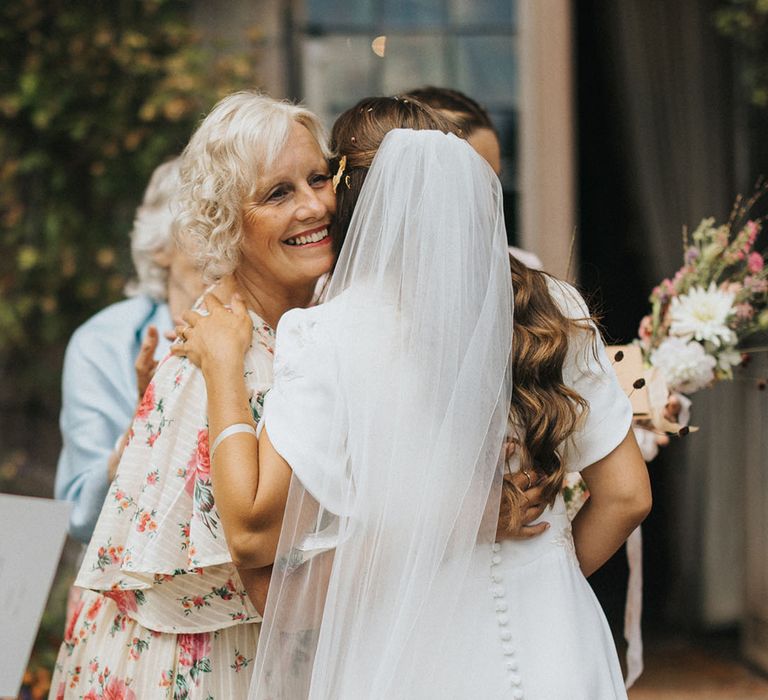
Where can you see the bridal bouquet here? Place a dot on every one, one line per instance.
(717, 299)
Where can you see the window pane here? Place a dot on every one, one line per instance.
(506, 123)
(486, 68)
(413, 61)
(498, 14)
(337, 72)
(413, 13)
(329, 14)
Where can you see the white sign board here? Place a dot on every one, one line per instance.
(33, 533)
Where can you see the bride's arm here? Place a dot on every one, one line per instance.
(250, 480)
(620, 499)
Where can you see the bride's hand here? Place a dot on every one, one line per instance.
(219, 339)
(517, 526)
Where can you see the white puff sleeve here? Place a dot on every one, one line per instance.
(302, 413)
(588, 371)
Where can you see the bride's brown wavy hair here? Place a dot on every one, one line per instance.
(544, 411)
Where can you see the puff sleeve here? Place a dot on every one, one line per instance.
(588, 371)
(302, 413)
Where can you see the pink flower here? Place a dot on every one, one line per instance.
(755, 284)
(752, 230)
(117, 690)
(73, 618)
(193, 648)
(147, 404)
(94, 609)
(745, 311)
(125, 600)
(755, 262)
(199, 465)
(645, 331)
(731, 287)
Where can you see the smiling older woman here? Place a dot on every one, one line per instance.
(167, 613)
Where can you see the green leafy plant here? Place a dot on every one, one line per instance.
(746, 23)
(93, 96)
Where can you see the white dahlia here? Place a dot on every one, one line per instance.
(685, 365)
(703, 314)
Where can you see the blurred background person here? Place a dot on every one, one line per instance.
(111, 357)
(477, 128)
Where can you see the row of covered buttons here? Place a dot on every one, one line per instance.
(502, 617)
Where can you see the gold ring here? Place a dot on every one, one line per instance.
(527, 476)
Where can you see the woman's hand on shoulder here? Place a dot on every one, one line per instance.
(219, 339)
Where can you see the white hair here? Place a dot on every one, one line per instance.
(226, 158)
(153, 232)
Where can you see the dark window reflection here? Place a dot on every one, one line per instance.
(349, 50)
(413, 13)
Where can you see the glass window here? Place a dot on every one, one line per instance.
(413, 13)
(327, 14)
(350, 50)
(411, 61)
(486, 68)
(490, 14)
(337, 72)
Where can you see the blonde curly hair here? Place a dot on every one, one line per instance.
(230, 153)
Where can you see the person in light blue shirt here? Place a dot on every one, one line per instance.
(111, 357)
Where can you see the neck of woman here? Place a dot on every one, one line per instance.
(269, 301)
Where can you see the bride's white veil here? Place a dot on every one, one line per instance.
(397, 468)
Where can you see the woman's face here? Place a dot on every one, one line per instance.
(486, 143)
(286, 241)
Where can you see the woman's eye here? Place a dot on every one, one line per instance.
(319, 180)
(277, 194)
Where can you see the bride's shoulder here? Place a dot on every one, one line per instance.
(568, 298)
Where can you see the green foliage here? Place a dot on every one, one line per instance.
(746, 23)
(93, 96)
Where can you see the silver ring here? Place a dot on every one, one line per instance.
(527, 476)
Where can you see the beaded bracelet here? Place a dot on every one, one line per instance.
(231, 430)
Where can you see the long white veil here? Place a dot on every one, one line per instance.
(390, 403)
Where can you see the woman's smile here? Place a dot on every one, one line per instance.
(313, 238)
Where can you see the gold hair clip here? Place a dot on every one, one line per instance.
(337, 177)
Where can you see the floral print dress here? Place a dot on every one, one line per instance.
(164, 613)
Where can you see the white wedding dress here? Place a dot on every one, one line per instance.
(394, 447)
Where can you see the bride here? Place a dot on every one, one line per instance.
(380, 466)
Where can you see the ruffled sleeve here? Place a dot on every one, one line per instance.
(302, 410)
(158, 542)
(588, 371)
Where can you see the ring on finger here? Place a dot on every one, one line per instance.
(527, 476)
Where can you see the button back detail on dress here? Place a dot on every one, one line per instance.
(499, 593)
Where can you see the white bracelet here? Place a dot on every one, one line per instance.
(231, 430)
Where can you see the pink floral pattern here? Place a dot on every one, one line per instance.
(119, 658)
(158, 567)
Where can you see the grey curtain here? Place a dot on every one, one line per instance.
(673, 75)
